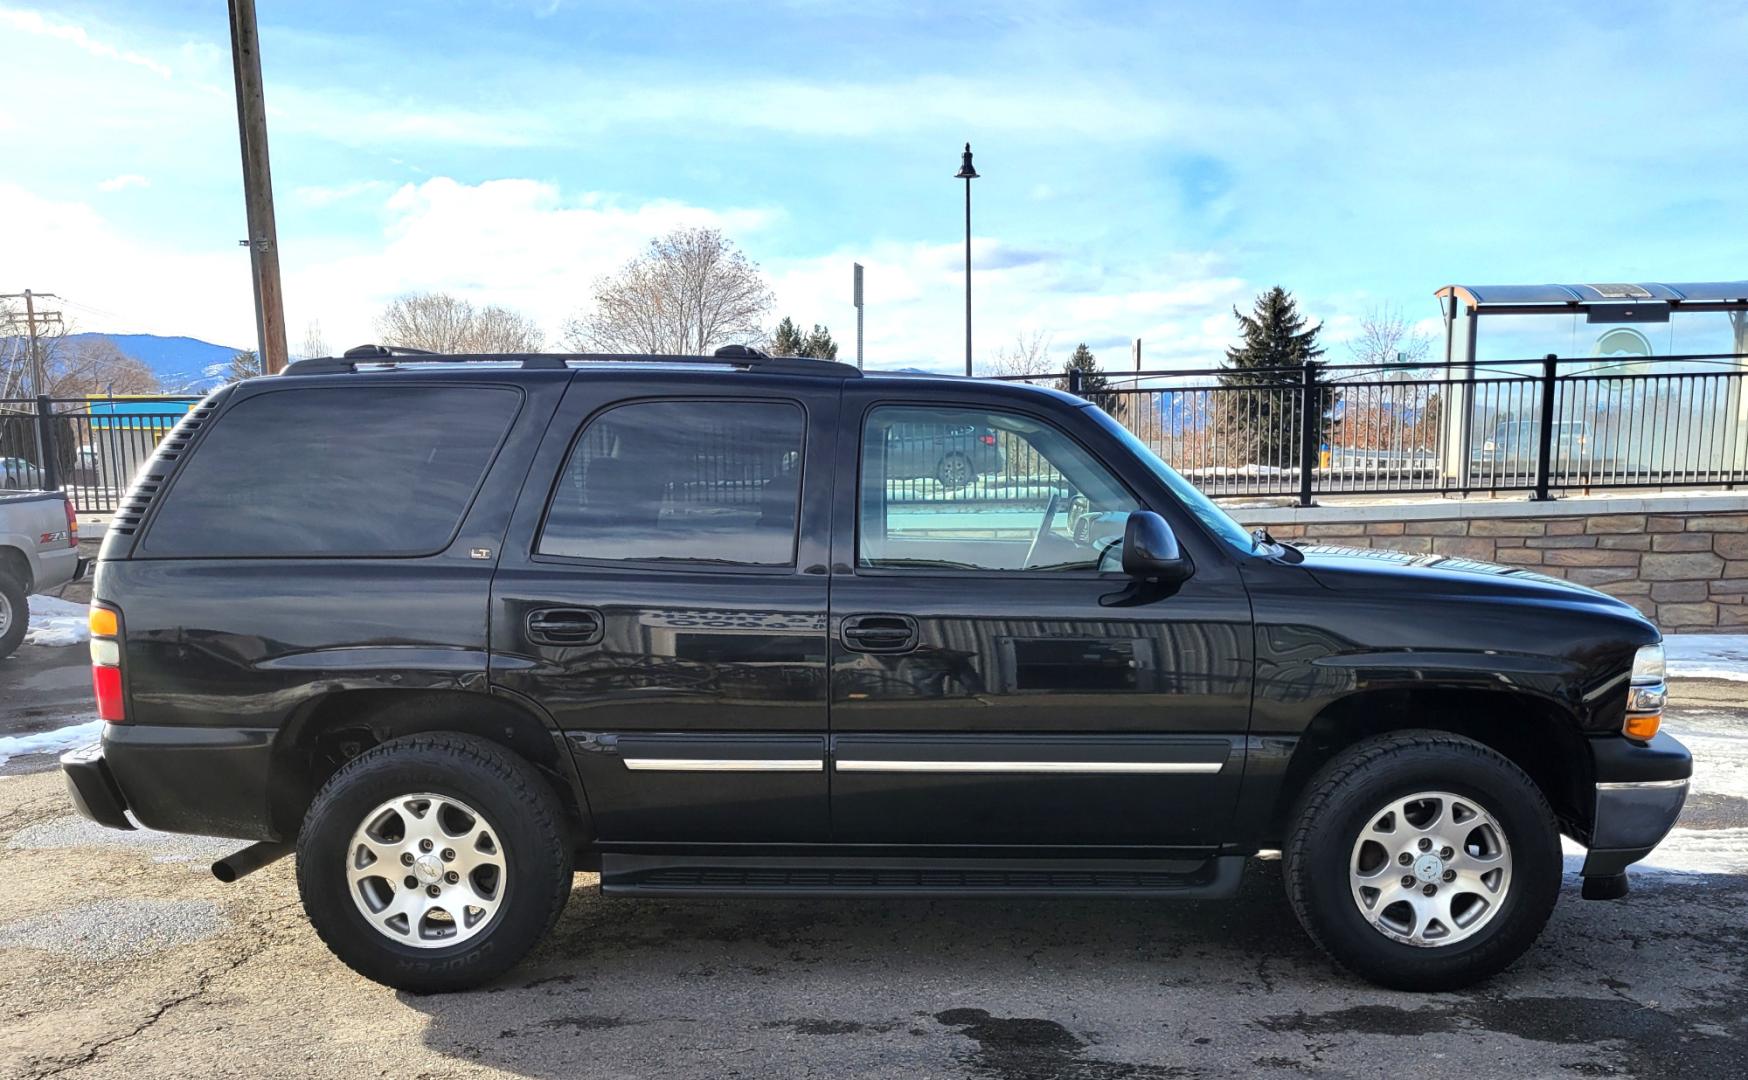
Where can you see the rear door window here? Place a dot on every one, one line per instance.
(682, 481)
(334, 471)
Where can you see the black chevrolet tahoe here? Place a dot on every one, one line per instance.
(453, 628)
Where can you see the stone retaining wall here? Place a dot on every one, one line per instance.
(1687, 570)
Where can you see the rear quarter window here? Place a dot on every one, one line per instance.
(334, 471)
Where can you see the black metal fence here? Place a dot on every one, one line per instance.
(1541, 426)
(88, 447)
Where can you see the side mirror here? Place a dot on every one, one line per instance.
(1150, 549)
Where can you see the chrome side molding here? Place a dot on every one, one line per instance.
(892, 765)
(724, 764)
(1638, 785)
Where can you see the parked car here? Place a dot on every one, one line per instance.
(952, 454)
(17, 474)
(504, 621)
(39, 550)
(1513, 445)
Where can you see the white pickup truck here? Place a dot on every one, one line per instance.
(39, 550)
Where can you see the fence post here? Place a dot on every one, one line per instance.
(1309, 429)
(1075, 381)
(45, 437)
(1545, 437)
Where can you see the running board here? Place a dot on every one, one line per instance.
(716, 875)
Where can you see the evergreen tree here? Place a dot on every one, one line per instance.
(788, 339)
(819, 344)
(1094, 383)
(1259, 413)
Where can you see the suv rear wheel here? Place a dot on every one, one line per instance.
(434, 862)
(1423, 860)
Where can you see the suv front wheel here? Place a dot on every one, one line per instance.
(1423, 860)
(433, 862)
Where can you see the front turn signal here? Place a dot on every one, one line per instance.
(1642, 726)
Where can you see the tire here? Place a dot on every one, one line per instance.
(954, 470)
(1337, 832)
(518, 841)
(14, 614)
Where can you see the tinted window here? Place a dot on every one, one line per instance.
(976, 490)
(701, 481)
(371, 470)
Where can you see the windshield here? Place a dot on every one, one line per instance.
(1206, 510)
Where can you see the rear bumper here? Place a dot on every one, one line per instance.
(207, 781)
(92, 787)
(1640, 790)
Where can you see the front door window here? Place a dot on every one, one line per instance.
(977, 489)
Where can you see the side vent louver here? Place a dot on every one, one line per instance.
(138, 500)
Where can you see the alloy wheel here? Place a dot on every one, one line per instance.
(426, 870)
(1430, 869)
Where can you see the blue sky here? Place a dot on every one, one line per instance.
(1145, 166)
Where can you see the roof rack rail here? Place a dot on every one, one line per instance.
(744, 357)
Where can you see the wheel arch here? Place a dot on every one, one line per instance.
(329, 731)
(1536, 734)
(16, 564)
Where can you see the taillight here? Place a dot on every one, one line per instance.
(72, 524)
(106, 664)
(988, 440)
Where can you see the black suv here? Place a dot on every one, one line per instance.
(455, 627)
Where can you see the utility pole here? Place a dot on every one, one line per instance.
(38, 384)
(38, 381)
(263, 239)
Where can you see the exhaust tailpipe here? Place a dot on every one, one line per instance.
(249, 860)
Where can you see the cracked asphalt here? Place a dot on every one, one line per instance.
(125, 958)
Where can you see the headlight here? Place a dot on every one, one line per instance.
(1646, 695)
(1648, 665)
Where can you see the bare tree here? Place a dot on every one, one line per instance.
(689, 292)
(313, 345)
(1386, 337)
(1028, 355)
(96, 366)
(448, 324)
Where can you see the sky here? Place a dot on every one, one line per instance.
(1145, 167)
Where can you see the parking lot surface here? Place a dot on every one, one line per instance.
(121, 956)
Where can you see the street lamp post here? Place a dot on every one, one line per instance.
(967, 174)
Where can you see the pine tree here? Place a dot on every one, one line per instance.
(788, 339)
(1259, 414)
(819, 344)
(1094, 383)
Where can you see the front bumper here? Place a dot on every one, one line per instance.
(1640, 790)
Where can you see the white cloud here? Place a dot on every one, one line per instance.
(71, 249)
(124, 181)
(520, 243)
(319, 196)
(527, 245)
(1179, 305)
(31, 22)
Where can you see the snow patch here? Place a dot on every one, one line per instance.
(1707, 656)
(49, 742)
(54, 621)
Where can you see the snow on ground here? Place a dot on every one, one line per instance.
(54, 621)
(1707, 656)
(49, 742)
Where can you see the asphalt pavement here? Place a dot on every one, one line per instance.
(121, 956)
